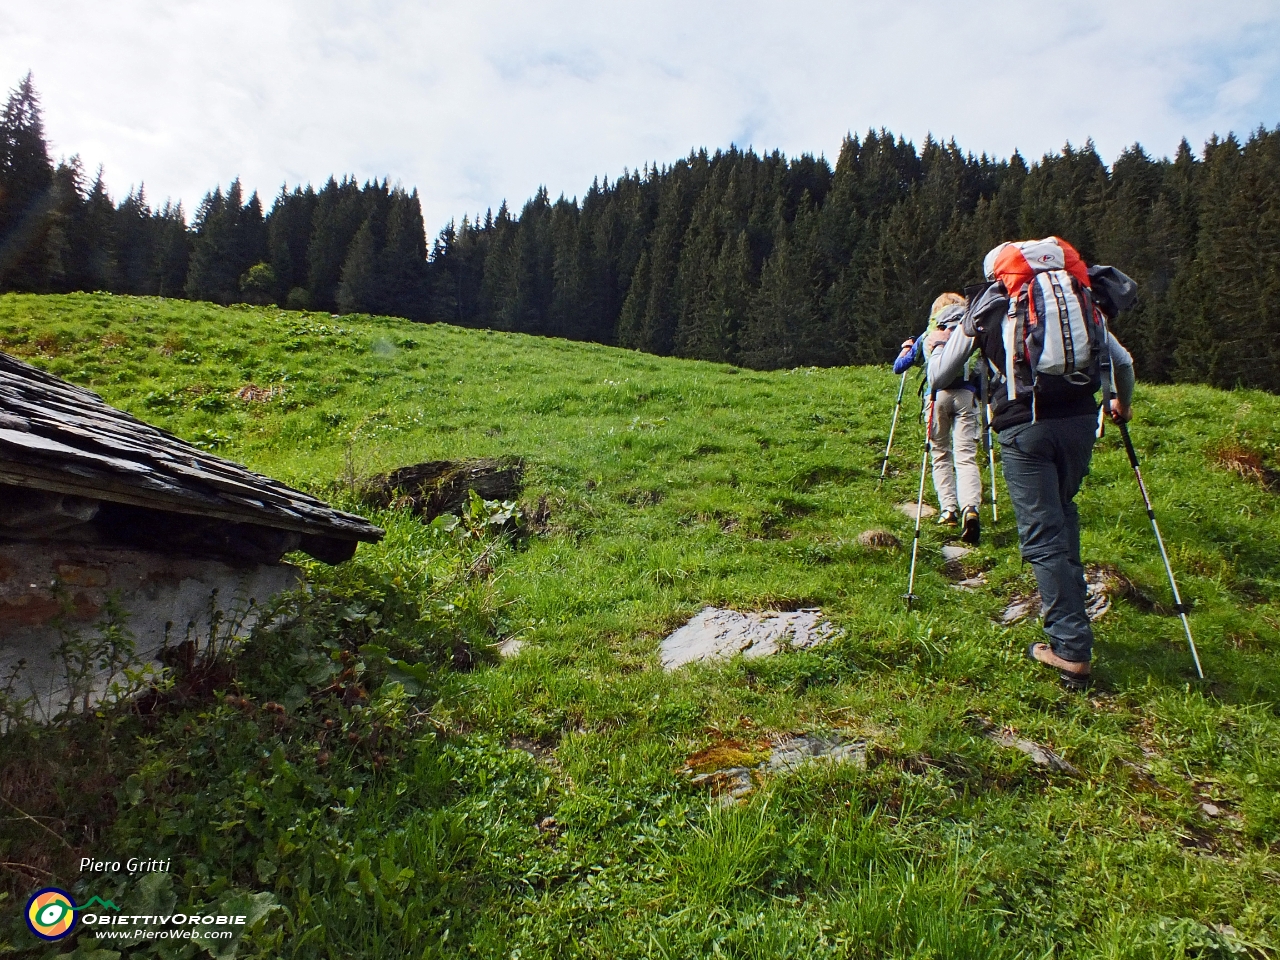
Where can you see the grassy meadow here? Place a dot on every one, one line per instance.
(416, 795)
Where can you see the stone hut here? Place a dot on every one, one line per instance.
(96, 505)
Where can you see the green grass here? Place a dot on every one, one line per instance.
(671, 485)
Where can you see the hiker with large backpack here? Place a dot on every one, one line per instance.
(951, 413)
(1042, 332)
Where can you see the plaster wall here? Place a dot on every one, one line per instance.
(51, 589)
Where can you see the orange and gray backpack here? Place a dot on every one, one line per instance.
(1039, 326)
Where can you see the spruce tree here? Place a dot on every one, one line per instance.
(211, 274)
(134, 234)
(498, 289)
(230, 238)
(65, 247)
(444, 275)
(359, 290)
(340, 211)
(1133, 230)
(402, 262)
(655, 310)
(631, 318)
(770, 335)
(102, 267)
(173, 245)
(289, 226)
(26, 181)
(700, 331)
(528, 295)
(571, 303)
(1064, 196)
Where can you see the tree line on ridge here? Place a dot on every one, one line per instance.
(759, 260)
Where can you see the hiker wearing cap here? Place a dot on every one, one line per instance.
(1039, 329)
(952, 416)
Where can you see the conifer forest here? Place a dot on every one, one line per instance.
(753, 259)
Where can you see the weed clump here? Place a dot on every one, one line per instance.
(878, 540)
(1246, 463)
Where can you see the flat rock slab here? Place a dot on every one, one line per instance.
(925, 510)
(792, 752)
(1040, 755)
(730, 784)
(787, 755)
(718, 634)
(1097, 599)
(1020, 607)
(952, 552)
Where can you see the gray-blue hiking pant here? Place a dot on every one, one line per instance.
(1044, 464)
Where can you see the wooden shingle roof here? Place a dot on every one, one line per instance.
(62, 439)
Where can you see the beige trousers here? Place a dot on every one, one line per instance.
(955, 449)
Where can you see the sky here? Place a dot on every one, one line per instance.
(477, 101)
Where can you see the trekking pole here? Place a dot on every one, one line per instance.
(909, 596)
(892, 426)
(986, 440)
(1177, 599)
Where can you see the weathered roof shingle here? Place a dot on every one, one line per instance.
(62, 439)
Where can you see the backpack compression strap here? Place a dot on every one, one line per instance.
(1108, 374)
(1009, 332)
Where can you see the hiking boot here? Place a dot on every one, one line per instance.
(949, 518)
(972, 526)
(1074, 674)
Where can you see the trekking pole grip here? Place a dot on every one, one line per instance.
(1128, 444)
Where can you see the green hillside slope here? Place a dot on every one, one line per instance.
(540, 805)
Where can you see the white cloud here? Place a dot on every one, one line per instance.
(473, 103)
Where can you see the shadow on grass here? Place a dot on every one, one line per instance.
(1231, 676)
